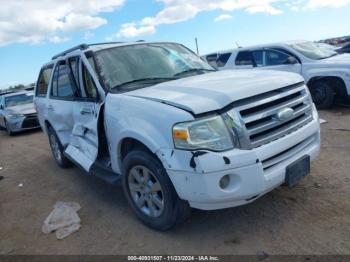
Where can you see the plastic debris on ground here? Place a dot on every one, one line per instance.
(20, 185)
(64, 220)
(322, 121)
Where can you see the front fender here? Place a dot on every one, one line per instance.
(147, 121)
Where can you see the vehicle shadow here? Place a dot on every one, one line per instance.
(23, 133)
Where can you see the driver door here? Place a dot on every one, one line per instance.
(271, 59)
(84, 145)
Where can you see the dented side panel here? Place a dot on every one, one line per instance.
(146, 121)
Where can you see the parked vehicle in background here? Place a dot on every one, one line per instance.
(326, 73)
(17, 112)
(344, 49)
(177, 133)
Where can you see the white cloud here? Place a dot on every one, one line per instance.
(223, 17)
(77, 22)
(57, 39)
(33, 21)
(314, 4)
(130, 30)
(176, 11)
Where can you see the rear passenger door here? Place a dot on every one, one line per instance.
(84, 144)
(60, 105)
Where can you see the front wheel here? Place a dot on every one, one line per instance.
(322, 94)
(150, 192)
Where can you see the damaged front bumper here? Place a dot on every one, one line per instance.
(196, 175)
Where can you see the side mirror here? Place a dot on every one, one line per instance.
(1, 107)
(291, 61)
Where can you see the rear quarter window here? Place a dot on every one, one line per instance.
(222, 59)
(43, 81)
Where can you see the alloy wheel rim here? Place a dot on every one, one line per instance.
(146, 191)
(55, 147)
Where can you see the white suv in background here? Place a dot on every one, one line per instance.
(326, 73)
(177, 133)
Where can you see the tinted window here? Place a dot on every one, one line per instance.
(211, 59)
(222, 59)
(54, 82)
(73, 63)
(62, 85)
(43, 81)
(259, 58)
(89, 84)
(244, 58)
(275, 58)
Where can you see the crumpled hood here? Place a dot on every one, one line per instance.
(213, 91)
(22, 109)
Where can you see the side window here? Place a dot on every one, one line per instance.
(43, 81)
(244, 58)
(286, 52)
(73, 64)
(62, 85)
(89, 84)
(275, 58)
(259, 58)
(211, 59)
(222, 59)
(54, 82)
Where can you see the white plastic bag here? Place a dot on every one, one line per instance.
(63, 219)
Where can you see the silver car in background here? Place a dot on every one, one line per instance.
(17, 112)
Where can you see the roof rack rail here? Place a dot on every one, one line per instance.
(78, 47)
(106, 43)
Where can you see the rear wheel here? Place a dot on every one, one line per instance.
(322, 94)
(57, 149)
(150, 191)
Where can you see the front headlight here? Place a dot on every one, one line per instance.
(13, 116)
(208, 133)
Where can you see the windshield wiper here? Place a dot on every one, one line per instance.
(195, 70)
(148, 80)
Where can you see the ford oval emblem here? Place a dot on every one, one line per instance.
(285, 114)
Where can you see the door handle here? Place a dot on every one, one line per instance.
(51, 108)
(86, 111)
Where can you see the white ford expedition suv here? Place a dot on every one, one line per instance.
(326, 73)
(177, 133)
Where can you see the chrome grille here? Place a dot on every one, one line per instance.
(259, 114)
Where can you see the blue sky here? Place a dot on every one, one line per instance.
(26, 42)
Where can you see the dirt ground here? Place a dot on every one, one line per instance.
(312, 218)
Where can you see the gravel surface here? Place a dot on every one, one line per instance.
(311, 218)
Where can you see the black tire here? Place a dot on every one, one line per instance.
(174, 209)
(62, 161)
(322, 94)
(8, 130)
